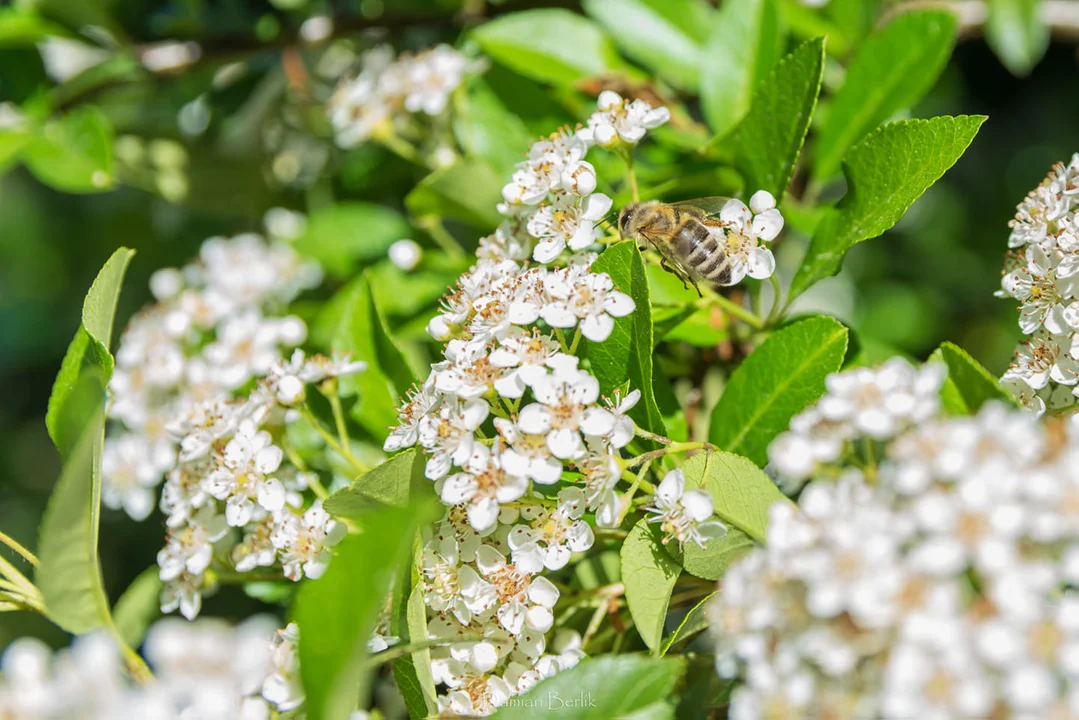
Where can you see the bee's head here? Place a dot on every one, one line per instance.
(629, 220)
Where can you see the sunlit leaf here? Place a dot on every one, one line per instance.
(741, 492)
(1017, 33)
(968, 385)
(649, 575)
(139, 606)
(345, 236)
(73, 153)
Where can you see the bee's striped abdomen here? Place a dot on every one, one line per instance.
(700, 251)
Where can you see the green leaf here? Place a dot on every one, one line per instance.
(409, 623)
(627, 353)
(74, 153)
(886, 173)
(968, 385)
(893, 70)
(488, 131)
(695, 621)
(649, 575)
(1016, 32)
(21, 28)
(550, 45)
(337, 612)
(740, 490)
(663, 35)
(770, 138)
(398, 481)
(352, 319)
(346, 236)
(744, 45)
(468, 191)
(717, 555)
(70, 573)
(599, 688)
(12, 141)
(65, 419)
(775, 383)
(139, 606)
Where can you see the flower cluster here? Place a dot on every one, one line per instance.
(389, 89)
(1042, 272)
(923, 572)
(507, 411)
(205, 670)
(215, 326)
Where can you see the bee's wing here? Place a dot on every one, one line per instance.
(708, 205)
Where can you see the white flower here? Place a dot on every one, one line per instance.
(130, 472)
(448, 435)
(527, 354)
(577, 295)
(431, 77)
(449, 585)
(684, 514)
(552, 534)
(1042, 357)
(878, 402)
(624, 428)
(741, 233)
(483, 487)
(527, 455)
(523, 601)
(418, 404)
(191, 548)
(303, 543)
(620, 122)
(242, 477)
(567, 220)
(564, 410)
(282, 687)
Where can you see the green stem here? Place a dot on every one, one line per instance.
(631, 175)
(674, 447)
(400, 147)
(562, 341)
(641, 432)
(628, 499)
(576, 340)
(432, 224)
(733, 308)
(399, 651)
(330, 440)
(777, 298)
(11, 543)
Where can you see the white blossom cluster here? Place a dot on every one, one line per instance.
(511, 329)
(1042, 272)
(387, 89)
(924, 572)
(215, 326)
(206, 670)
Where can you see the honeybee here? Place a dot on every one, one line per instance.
(685, 235)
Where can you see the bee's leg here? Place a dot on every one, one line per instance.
(677, 273)
(696, 287)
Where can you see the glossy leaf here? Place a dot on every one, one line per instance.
(398, 481)
(138, 607)
(627, 353)
(345, 236)
(649, 575)
(337, 612)
(743, 47)
(549, 44)
(663, 35)
(73, 153)
(711, 561)
(1017, 33)
(695, 621)
(769, 140)
(968, 385)
(886, 173)
(488, 130)
(892, 71)
(409, 623)
(776, 382)
(600, 688)
(741, 492)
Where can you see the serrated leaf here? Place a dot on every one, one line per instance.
(968, 384)
(1017, 33)
(139, 606)
(711, 561)
(73, 153)
(895, 67)
(69, 575)
(468, 190)
(663, 35)
(345, 236)
(398, 481)
(695, 621)
(627, 353)
(599, 688)
(886, 173)
(337, 612)
(549, 44)
(744, 45)
(769, 140)
(775, 383)
(352, 321)
(741, 492)
(649, 575)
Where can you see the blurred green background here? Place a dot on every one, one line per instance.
(929, 280)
